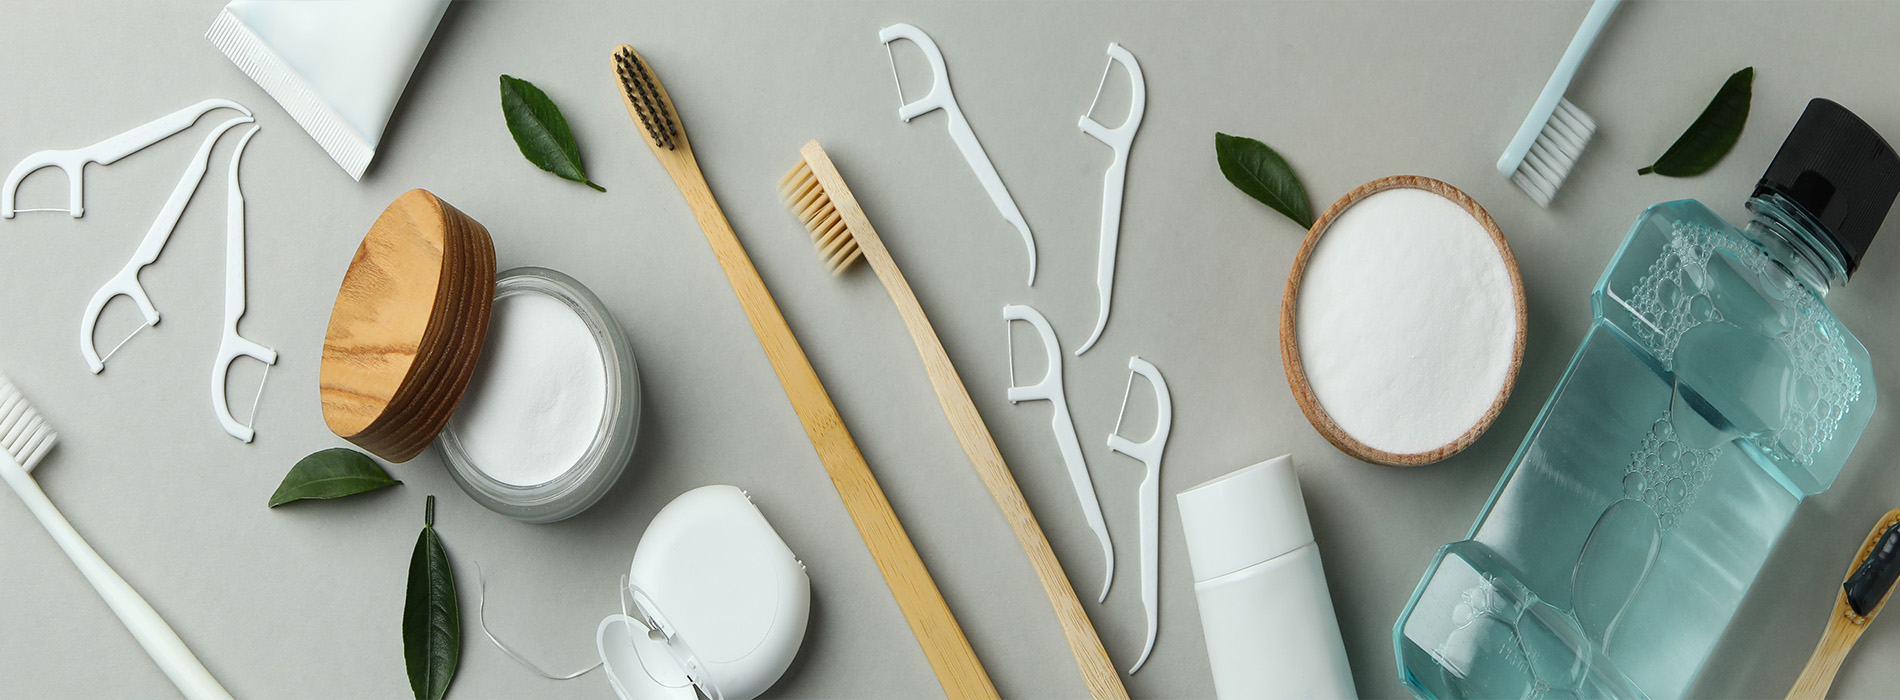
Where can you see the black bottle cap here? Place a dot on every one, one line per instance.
(1841, 171)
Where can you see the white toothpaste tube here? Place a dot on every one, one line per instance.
(337, 66)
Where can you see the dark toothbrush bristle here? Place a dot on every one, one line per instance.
(1871, 582)
(638, 83)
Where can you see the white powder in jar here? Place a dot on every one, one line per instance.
(1407, 321)
(539, 391)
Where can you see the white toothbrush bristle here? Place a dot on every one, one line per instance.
(24, 436)
(1554, 152)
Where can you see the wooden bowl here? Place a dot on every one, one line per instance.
(408, 325)
(1303, 393)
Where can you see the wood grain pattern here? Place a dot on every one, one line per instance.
(1289, 336)
(1098, 673)
(1843, 627)
(409, 322)
(931, 622)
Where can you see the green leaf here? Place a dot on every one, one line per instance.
(331, 473)
(541, 131)
(431, 621)
(1261, 173)
(1712, 134)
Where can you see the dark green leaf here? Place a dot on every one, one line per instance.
(331, 473)
(1712, 134)
(1261, 173)
(431, 621)
(541, 131)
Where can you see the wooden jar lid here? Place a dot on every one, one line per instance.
(407, 327)
(1296, 375)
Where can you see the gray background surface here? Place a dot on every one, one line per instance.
(305, 601)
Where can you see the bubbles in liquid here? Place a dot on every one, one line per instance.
(1510, 644)
(1666, 476)
(1676, 296)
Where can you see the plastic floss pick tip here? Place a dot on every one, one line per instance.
(104, 152)
(1120, 138)
(126, 282)
(1148, 452)
(941, 97)
(233, 346)
(1050, 389)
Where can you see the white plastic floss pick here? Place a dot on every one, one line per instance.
(1120, 138)
(1148, 452)
(1050, 389)
(126, 282)
(104, 152)
(941, 97)
(232, 346)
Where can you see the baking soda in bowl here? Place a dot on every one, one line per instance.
(551, 415)
(538, 394)
(1408, 322)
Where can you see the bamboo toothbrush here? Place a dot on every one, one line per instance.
(25, 438)
(943, 642)
(1547, 145)
(816, 193)
(1868, 586)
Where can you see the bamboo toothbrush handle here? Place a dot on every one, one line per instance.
(936, 629)
(1098, 673)
(1842, 632)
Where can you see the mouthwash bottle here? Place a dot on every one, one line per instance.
(1714, 391)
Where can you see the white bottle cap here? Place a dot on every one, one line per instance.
(1244, 518)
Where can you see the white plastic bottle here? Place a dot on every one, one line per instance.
(1265, 611)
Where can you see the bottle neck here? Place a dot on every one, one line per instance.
(1797, 242)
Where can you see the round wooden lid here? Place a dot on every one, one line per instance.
(1296, 375)
(408, 324)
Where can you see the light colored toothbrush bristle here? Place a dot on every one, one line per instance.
(805, 196)
(1554, 152)
(24, 435)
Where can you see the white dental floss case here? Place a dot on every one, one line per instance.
(730, 598)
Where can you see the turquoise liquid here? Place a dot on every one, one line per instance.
(1713, 392)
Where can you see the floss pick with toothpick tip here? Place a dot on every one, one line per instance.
(941, 97)
(106, 152)
(126, 282)
(233, 346)
(1050, 389)
(1148, 452)
(1120, 138)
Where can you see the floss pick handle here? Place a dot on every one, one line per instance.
(941, 97)
(1050, 389)
(233, 346)
(1148, 452)
(126, 282)
(1120, 138)
(104, 152)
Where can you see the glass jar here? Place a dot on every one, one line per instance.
(587, 479)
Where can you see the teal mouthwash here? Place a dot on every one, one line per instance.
(1714, 391)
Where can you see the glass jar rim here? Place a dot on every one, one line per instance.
(606, 457)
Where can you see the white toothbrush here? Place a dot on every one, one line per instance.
(1553, 135)
(24, 439)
